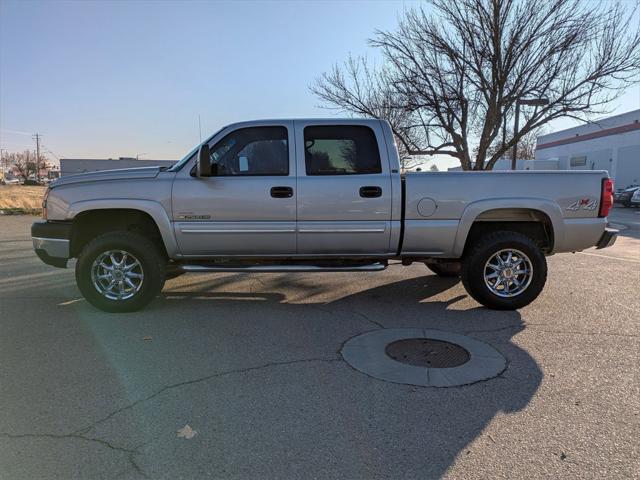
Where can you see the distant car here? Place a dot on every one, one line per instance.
(31, 182)
(624, 197)
(12, 181)
(635, 198)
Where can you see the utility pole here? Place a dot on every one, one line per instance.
(514, 155)
(36, 137)
(504, 129)
(2, 165)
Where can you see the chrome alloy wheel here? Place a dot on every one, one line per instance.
(117, 275)
(508, 273)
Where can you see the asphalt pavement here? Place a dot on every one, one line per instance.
(240, 376)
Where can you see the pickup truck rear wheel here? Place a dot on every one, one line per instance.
(120, 271)
(504, 270)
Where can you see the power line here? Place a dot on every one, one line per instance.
(48, 150)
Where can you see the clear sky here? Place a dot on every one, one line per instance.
(108, 79)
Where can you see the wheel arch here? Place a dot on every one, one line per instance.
(94, 217)
(541, 219)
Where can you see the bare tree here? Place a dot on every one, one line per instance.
(526, 146)
(25, 163)
(362, 90)
(452, 74)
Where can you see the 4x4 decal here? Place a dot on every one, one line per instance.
(583, 204)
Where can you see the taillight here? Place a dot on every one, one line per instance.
(606, 197)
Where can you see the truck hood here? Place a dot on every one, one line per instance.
(119, 174)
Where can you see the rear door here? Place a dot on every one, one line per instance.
(249, 207)
(344, 189)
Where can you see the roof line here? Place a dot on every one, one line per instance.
(630, 127)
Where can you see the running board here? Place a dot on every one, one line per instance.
(370, 267)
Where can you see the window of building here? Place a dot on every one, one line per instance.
(578, 161)
(252, 151)
(341, 150)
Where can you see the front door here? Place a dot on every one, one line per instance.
(344, 189)
(249, 207)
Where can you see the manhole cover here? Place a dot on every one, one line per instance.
(426, 352)
(421, 356)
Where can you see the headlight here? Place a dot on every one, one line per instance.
(44, 203)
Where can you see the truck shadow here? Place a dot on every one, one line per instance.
(393, 427)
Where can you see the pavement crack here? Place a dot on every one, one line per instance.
(351, 311)
(74, 435)
(536, 325)
(366, 317)
(80, 434)
(82, 431)
(591, 334)
(133, 465)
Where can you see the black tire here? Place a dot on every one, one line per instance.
(447, 269)
(152, 261)
(474, 264)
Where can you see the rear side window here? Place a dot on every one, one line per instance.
(341, 150)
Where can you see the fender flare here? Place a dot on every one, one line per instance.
(152, 208)
(473, 210)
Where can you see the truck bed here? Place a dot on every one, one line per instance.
(440, 207)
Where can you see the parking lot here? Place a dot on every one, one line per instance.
(252, 364)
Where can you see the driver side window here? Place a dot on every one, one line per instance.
(252, 151)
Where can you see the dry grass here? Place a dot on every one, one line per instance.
(21, 198)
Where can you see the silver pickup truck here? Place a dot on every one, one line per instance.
(315, 195)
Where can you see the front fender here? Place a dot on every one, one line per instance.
(154, 209)
(473, 210)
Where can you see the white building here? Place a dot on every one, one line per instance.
(611, 144)
(503, 164)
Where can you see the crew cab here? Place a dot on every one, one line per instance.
(315, 195)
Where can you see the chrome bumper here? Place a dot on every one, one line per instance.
(54, 247)
(51, 242)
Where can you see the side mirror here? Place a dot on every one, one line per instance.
(203, 167)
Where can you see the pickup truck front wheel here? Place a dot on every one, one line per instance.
(504, 270)
(120, 271)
